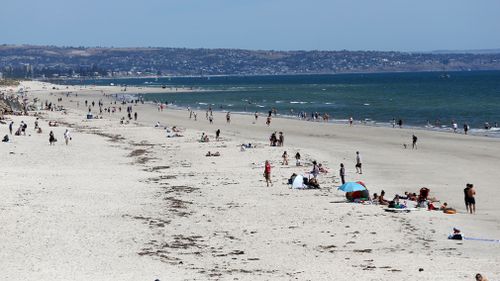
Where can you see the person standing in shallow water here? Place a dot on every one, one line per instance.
(342, 173)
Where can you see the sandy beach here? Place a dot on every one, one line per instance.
(124, 202)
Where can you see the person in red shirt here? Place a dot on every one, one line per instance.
(267, 173)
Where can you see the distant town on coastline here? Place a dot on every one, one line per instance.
(27, 61)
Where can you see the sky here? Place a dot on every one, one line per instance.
(400, 25)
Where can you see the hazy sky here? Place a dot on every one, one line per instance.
(411, 25)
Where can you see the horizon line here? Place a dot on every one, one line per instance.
(438, 51)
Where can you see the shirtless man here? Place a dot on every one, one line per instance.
(358, 163)
(470, 201)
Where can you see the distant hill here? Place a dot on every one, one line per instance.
(480, 51)
(55, 62)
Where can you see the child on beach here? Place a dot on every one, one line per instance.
(285, 158)
(267, 173)
(297, 159)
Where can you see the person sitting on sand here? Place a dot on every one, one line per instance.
(5, 138)
(313, 183)
(446, 209)
(322, 168)
(381, 199)
(375, 198)
(456, 235)
(204, 137)
(39, 130)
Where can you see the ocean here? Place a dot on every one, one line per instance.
(430, 100)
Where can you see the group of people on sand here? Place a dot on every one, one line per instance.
(423, 200)
(277, 140)
(204, 137)
(23, 127)
(67, 137)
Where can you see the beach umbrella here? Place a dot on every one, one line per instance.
(351, 187)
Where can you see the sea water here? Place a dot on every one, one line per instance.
(423, 99)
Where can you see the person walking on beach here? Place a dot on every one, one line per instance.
(400, 123)
(358, 163)
(217, 134)
(228, 117)
(342, 173)
(393, 122)
(256, 116)
(67, 137)
(470, 200)
(10, 126)
(414, 142)
(268, 121)
(466, 128)
(267, 173)
(52, 138)
(135, 116)
(351, 120)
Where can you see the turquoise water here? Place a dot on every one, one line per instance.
(416, 98)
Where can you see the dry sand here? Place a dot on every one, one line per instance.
(123, 202)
